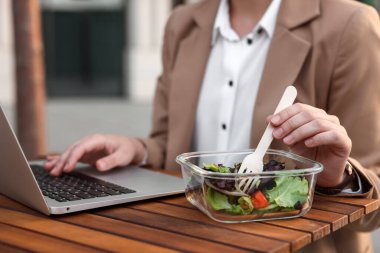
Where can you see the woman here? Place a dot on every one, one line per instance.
(225, 66)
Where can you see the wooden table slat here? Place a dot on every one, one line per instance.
(297, 239)
(316, 228)
(370, 205)
(354, 212)
(178, 201)
(337, 220)
(11, 249)
(29, 240)
(156, 236)
(198, 230)
(73, 233)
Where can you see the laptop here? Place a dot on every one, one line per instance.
(83, 189)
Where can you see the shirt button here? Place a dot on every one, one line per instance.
(249, 41)
(230, 83)
(224, 126)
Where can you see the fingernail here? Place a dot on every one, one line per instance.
(101, 165)
(49, 167)
(276, 119)
(278, 132)
(66, 169)
(288, 139)
(309, 142)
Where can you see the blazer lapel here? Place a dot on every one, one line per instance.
(285, 58)
(187, 77)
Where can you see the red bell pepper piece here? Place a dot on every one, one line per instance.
(259, 200)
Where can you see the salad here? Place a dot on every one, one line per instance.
(276, 194)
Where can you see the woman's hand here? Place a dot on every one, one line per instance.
(312, 133)
(103, 151)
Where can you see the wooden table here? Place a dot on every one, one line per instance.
(169, 224)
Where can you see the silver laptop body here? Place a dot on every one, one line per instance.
(18, 182)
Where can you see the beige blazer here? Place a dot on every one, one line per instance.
(329, 49)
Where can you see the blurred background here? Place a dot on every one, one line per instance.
(99, 64)
(101, 61)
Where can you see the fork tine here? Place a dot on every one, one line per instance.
(242, 169)
(247, 185)
(242, 182)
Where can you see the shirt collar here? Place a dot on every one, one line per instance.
(222, 25)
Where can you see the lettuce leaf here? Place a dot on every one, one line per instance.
(235, 209)
(288, 191)
(216, 168)
(217, 200)
(247, 203)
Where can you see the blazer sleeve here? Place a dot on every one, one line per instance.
(156, 143)
(355, 99)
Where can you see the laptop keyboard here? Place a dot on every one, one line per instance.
(75, 186)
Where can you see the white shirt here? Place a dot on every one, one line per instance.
(230, 85)
(231, 81)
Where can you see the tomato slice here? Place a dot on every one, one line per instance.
(259, 200)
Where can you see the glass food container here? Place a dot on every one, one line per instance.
(281, 192)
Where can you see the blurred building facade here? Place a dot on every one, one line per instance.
(101, 48)
(97, 48)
